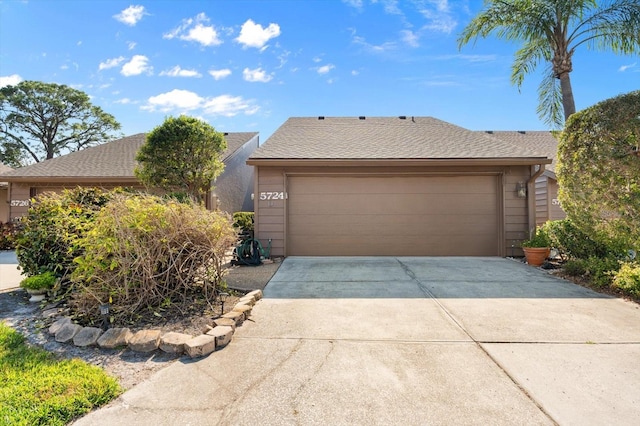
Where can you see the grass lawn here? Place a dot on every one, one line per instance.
(37, 388)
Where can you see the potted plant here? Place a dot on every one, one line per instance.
(38, 285)
(537, 248)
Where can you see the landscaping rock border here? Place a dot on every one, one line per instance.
(213, 337)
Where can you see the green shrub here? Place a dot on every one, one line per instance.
(571, 242)
(539, 239)
(145, 252)
(44, 281)
(598, 169)
(628, 279)
(52, 226)
(575, 267)
(601, 270)
(8, 235)
(243, 221)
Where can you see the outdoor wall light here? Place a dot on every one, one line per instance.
(104, 311)
(521, 190)
(223, 298)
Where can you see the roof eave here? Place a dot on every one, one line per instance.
(437, 162)
(74, 179)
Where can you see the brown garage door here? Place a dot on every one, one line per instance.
(392, 216)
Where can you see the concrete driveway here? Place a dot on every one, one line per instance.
(408, 341)
(10, 273)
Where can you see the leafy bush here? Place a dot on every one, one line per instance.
(243, 221)
(8, 235)
(628, 279)
(44, 281)
(573, 243)
(146, 252)
(539, 239)
(601, 270)
(599, 167)
(575, 267)
(51, 228)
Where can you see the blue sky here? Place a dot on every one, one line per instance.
(249, 65)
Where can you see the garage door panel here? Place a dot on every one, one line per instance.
(386, 185)
(436, 216)
(393, 204)
(409, 246)
(406, 225)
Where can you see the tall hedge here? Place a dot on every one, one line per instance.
(599, 170)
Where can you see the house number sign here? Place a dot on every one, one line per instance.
(272, 195)
(20, 203)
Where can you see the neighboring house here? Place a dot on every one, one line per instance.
(401, 186)
(112, 164)
(4, 199)
(547, 204)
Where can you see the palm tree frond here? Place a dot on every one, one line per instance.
(528, 58)
(550, 100)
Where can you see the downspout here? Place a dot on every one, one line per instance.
(531, 200)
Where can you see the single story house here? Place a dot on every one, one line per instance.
(112, 164)
(547, 204)
(4, 190)
(392, 186)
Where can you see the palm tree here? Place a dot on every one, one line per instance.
(551, 30)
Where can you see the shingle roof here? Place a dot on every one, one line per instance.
(4, 169)
(382, 138)
(114, 159)
(541, 142)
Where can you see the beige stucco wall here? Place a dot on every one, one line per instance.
(270, 218)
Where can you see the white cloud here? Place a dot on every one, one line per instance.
(176, 99)
(10, 80)
(220, 74)
(355, 72)
(186, 101)
(193, 29)
(439, 17)
(228, 106)
(131, 15)
(410, 38)
(179, 72)
(256, 75)
(353, 3)
(254, 35)
(317, 59)
(623, 68)
(325, 68)
(123, 101)
(374, 48)
(137, 65)
(111, 63)
(131, 45)
(64, 67)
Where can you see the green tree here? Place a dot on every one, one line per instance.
(182, 154)
(599, 169)
(551, 31)
(39, 121)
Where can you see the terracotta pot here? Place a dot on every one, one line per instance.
(536, 256)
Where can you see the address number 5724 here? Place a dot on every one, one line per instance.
(272, 195)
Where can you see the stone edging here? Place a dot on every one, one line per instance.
(216, 337)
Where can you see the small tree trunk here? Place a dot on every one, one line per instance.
(568, 103)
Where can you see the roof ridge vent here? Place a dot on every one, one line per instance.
(522, 132)
(321, 117)
(403, 117)
(226, 133)
(489, 131)
(362, 117)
